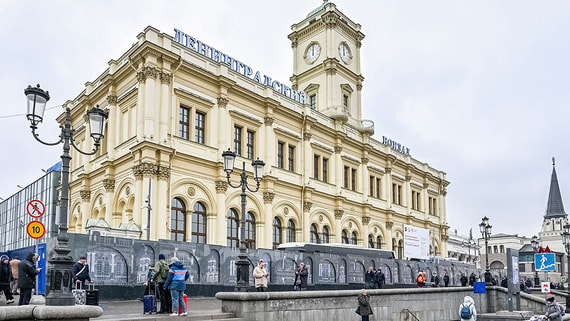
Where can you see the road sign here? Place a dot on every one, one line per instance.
(545, 287)
(563, 279)
(36, 229)
(479, 287)
(35, 208)
(544, 262)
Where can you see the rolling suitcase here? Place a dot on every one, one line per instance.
(79, 294)
(91, 295)
(149, 302)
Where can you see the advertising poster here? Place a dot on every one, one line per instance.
(416, 242)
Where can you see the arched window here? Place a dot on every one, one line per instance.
(291, 231)
(177, 220)
(502, 249)
(199, 223)
(233, 222)
(394, 246)
(250, 231)
(276, 232)
(378, 242)
(495, 249)
(314, 235)
(370, 241)
(400, 250)
(354, 238)
(326, 234)
(344, 237)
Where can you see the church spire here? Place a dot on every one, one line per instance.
(555, 207)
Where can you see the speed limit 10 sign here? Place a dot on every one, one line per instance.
(36, 229)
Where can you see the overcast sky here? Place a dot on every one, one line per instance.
(477, 89)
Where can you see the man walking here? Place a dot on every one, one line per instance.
(176, 281)
(80, 271)
(14, 265)
(160, 276)
(5, 277)
(27, 275)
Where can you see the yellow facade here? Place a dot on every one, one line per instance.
(370, 189)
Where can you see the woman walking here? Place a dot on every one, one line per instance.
(364, 309)
(260, 275)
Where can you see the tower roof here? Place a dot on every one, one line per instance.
(319, 8)
(555, 207)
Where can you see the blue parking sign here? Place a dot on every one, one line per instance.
(544, 262)
(479, 287)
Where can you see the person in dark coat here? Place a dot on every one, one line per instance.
(364, 308)
(505, 283)
(301, 274)
(27, 275)
(446, 280)
(472, 279)
(80, 271)
(369, 278)
(176, 282)
(5, 278)
(435, 280)
(528, 286)
(380, 279)
(463, 280)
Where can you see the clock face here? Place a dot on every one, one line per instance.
(313, 52)
(344, 52)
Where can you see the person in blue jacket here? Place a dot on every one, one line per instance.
(176, 281)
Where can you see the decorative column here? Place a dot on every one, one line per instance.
(218, 225)
(267, 241)
(337, 225)
(141, 77)
(222, 126)
(339, 168)
(308, 163)
(408, 194)
(389, 225)
(113, 127)
(165, 107)
(85, 210)
(160, 204)
(151, 74)
(109, 185)
(144, 169)
(425, 198)
(306, 223)
(365, 231)
(365, 179)
(269, 153)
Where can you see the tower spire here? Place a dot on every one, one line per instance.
(554, 207)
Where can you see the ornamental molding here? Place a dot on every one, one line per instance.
(109, 184)
(389, 224)
(338, 214)
(112, 99)
(338, 149)
(268, 120)
(365, 160)
(163, 172)
(165, 78)
(85, 194)
(146, 169)
(307, 205)
(221, 186)
(365, 220)
(141, 77)
(150, 72)
(223, 102)
(268, 197)
(307, 136)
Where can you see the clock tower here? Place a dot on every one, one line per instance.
(326, 63)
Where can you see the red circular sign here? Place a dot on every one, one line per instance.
(35, 208)
(36, 229)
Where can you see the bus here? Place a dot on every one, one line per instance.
(338, 249)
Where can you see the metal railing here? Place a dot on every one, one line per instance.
(410, 313)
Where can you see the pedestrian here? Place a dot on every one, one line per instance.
(420, 280)
(467, 309)
(435, 280)
(27, 275)
(472, 279)
(369, 278)
(80, 271)
(446, 280)
(14, 265)
(150, 284)
(176, 282)
(260, 275)
(505, 283)
(364, 309)
(160, 275)
(528, 286)
(301, 277)
(380, 279)
(5, 278)
(553, 310)
(463, 280)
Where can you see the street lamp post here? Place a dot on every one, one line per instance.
(566, 241)
(534, 244)
(242, 265)
(486, 228)
(61, 262)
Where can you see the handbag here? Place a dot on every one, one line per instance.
(298, 282)
(357, 310)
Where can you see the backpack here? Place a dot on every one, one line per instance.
(163, 270)
(466, 312)
(561, 310)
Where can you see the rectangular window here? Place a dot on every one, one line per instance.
(371, 187)
(432, 205)
(397, 194)
(414, 200)
(200, 127)
(313, 101)
(418, 201)
(378, 184)
(353, 179)
(237, 140)
(280, 154)
(325, 169)
(250, 140)
(184, 123)
(346, 173)
(316, 159)
(345, 102)
(291, 158)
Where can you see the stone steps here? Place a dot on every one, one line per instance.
(218, 316)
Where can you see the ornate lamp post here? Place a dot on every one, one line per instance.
(242, 264)
(566, 241)
(486, 228)
(534, 244)
(61, 262)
